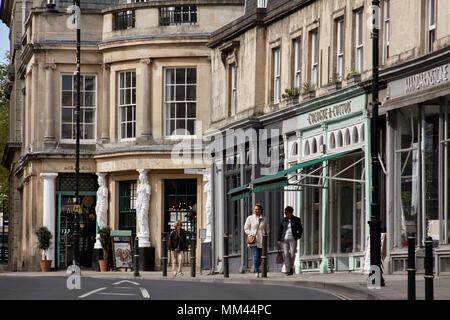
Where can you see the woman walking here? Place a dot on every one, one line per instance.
(255, 227)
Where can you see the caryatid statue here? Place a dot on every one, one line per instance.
(207, 190)
(142, 206)
(101, 208)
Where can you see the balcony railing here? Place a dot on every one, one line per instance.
(124, 20)
(177, 15)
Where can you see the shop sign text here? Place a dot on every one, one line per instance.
(330, 113)
(426, 79)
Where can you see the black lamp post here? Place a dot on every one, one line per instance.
(76, 225)
(375, 222)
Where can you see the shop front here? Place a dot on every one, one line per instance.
(418, 127)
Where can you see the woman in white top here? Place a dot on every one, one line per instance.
(256, 225)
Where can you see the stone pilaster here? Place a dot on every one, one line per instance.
(105, 105)
(50, 211)
(143, 112)
(49, 108)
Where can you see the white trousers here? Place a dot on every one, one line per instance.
(289, 249)
(177, 258)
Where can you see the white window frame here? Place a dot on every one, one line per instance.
(339, 48)
(431, 27)
(82, 141)
(359, 46)
(233, 89)
(297, 63)
(276, 75)
(120, 106)
(314, 63)
(175, 137)
(387, 29)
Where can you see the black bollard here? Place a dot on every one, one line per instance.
(264, 257)
(225, 257)
(193, 246)
(164, 254)
(411, 268)
(429, 269)
(136, 257)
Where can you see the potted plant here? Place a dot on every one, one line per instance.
(309, 91)
(353, 77)
(291, 96)
(105, 240)
(44, 241)
(335, 83)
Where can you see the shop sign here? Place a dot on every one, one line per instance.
(419, 82)
(330, 113)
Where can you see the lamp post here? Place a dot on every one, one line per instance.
(51, 7)
(76, 225)
(375, 222)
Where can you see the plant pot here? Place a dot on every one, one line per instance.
(334, 86)
(353, 80)
(309, 95)
(46, 265)
(103, 265)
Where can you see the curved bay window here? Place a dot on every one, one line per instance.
(181, 204)
(127, 206)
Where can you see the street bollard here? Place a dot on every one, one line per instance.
(136, 257)
(411, 268)
(225, 256)
(264, 257)
(429, 269)
(193, 247)
(164, 254)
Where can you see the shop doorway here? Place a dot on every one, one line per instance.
(180, 203)
(65, 225)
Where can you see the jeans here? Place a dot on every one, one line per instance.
(257, 253)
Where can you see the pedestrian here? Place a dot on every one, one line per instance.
(177, 247)
(289, 232)
(255, 226)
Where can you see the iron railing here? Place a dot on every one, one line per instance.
(177, 15)
(124, 20)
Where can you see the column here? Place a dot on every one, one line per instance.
(300, 250)
(50, 211)
(105, 105)
(325, 195)
(49, 107)
(143, 120)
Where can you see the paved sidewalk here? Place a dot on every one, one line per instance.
(346, 285)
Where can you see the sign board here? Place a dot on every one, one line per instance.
(206, 256)
(122, 249)
(202, 234)
(419, 82)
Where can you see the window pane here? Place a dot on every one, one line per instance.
(66, 131)
(191, 110)
(170, 93)
(191, 126)
(89, 116)
(181, 76)
(89, 84)
(191, 93)
(88, 131)
(66, 115)
(181, 110)
(89, 99)
(170, 76)
(66, 99)
(191, 75)
(130, 114)
(180, 93)
(123, 130)
(66, 82)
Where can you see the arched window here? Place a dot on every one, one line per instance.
(332, 141)
(361, 133)
(320, 142)
(339, 139)
(313, 146)
(355, 138)
(307, 149)
(347, 138)
(294, 149)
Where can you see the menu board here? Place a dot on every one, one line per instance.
(122, 249)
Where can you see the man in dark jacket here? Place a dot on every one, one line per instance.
(289, 232)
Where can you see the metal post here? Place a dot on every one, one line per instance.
(193, 247)
(264, 257)
(429, 269)
(136, 257)
(375, 222)
(411, 268)
(225, 256)
(3, 231)
(164, 254)
(76, 232)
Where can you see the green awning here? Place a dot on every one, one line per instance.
(240, 192)
(279, 179)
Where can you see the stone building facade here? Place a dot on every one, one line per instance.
(145, 88)
(318, 133)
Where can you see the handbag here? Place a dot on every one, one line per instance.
(280, 259)
(251, 239)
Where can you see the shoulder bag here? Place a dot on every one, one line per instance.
(251, 239)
